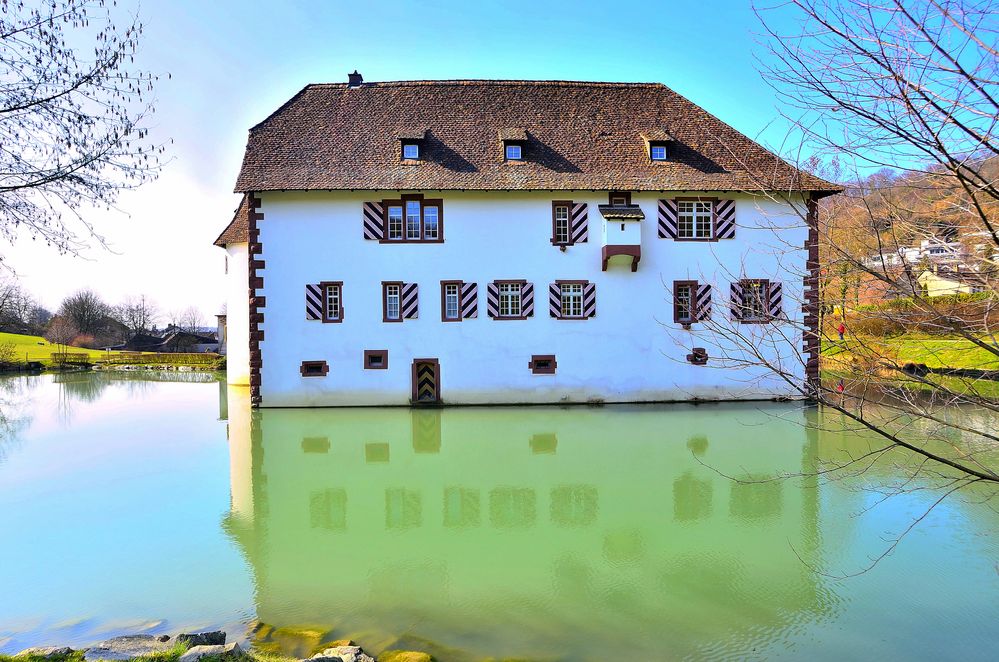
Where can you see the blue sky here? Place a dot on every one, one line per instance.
(232, 63)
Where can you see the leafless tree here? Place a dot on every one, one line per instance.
(16, 306)
(138, 313)
(900, 100)
(86, 311)
(191, 319)
(72, 117)
(61, 331)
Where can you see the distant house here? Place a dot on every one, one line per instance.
(172, 341)
(941, 282)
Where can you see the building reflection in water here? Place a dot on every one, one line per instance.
(465, 526)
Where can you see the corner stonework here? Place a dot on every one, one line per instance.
(254, 254)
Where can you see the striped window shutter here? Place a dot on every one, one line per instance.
(374, 221)
(590, 300)
(725, 219)
(776, 296)
(579, 230)
(410, 307)
(554, 300)
(667, 219)
(736, 301)
(527, 299)
(313, 302)
(702, 305)
(492, 300)
(469, 300)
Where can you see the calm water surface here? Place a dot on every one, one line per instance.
(130, 505)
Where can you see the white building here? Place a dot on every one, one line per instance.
(480, 242)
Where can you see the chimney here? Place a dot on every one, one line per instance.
(355, 79)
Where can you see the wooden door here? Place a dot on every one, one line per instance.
(426, 381)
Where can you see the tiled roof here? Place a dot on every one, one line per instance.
(238, 230)
(581, 136)
(621, 211)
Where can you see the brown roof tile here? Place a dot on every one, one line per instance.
(238, 230)
(580, 136)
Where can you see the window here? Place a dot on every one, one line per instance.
(542, 364)
(414, 219)
(755, 300)
(572, 299)
(560, 223)
(619, 198)
(332, 302)
(391, 301)
(513, 153)
(451, 301)
(684, 295)
(395, 222)
(694, 219)
(314, 368)
(430, 223)
(657, 152)
(410, 151)
(509, 300)
(376, 359)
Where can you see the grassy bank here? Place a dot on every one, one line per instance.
(36, 348)
(932, 351)
(30, 349)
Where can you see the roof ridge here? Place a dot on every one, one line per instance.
(493, 81)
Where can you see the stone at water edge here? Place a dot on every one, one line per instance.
(45, 651)
(216, 638)
(127, 648)
(229, 651)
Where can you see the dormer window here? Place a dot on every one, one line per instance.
(657, 151)
(411, 140)
(513, 140)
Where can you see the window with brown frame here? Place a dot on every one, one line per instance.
(376, 359)
(332, 301)
(695, 219)
(451, 300)
(755, 305)
(571, 294)
(413, 219)
(314, 368)
(684, 297)
(619, 198)
(542, 364)
(561, 230)
(510, 298)
(392, 302)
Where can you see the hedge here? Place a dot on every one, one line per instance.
(172, 358)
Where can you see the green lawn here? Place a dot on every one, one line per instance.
(934, 351)
(36, 348)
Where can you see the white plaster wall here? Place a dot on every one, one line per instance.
(237, 316)
(631, 350)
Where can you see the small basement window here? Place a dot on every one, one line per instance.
(314, 368)
(542, 364)
(514, 152)
(376, 359)
(410, 151)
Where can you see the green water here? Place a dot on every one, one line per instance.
(543, 533)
